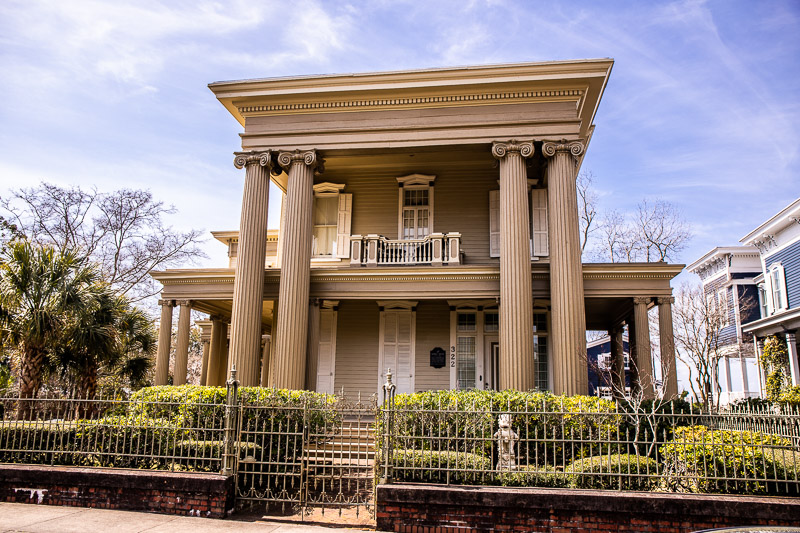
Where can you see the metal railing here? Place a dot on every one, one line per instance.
(553, 441)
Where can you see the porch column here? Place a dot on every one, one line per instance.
(218, 333)
(312, 350)
(164, 342)
(568, 316)
(617, 363)
(289, 357)
(248, 286)
(182, 344)
(644, 359)
(794, 364)
(758, 346)
(745, 378)
(669, 372)
(516, 292)
(204, 362)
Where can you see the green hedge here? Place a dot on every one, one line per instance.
(615, 471)
(700, 459)
(431, 466)
(465, 421)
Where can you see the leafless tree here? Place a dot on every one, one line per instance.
(123, 231)
(587, 207)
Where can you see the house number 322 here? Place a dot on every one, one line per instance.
(452, 356)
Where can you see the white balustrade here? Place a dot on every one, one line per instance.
(435, 249)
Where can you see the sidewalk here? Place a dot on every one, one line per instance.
(28, 518)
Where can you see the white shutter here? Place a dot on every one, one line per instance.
(405, 368)
(539, 218)
(327, 351)
(343, 225)
(494, 223)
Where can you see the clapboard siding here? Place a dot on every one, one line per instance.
(461, 204)
(433, 330)
(789, 258)
(357, 348)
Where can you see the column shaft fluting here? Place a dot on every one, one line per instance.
(164, 343)
(215, 351)
(644, 359)
(182, 343)
(289, 356)
(516, 293)
(666, 335)
(617, 363)
(248, 287)
(204, 363)
(568, 318)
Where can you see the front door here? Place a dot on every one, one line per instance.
(397, 352)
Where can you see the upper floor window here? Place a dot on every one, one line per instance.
(416, 206)
(762, 300)
(776, 279)
(332, 214)
(722, 307)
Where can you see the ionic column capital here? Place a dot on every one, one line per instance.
(309, 158)
(183, 303)
(665, 300)
(261, 158)
(640, 300)
(502, 149)
(168, 303)
(574, 148)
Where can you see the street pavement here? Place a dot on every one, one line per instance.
(29, 518)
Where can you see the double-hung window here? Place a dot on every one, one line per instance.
(777, 288)
(331, 220)
(416, 206)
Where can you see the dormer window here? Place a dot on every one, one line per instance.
(416, 206)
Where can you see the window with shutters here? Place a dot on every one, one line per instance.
(416, 206)
(466, 328)
(540, 341)
(332, 215)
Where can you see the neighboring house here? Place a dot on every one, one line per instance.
(601, 363)
(729, 277)
(429, 227)
(778, 243)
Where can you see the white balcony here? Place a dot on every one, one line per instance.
(436, 249)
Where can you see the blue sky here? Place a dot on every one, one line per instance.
(701, 109)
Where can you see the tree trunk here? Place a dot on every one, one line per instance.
(30, 380)
(87, 390)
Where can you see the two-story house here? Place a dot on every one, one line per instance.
(728, 276)
(429, 226)
(778, 243)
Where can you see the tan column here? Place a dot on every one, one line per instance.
(568, 336)
(225, 346)
(248, 286)
(617, 363)
(265, 357)
(204, 363)
(667, 347)
(516, 292)
(633, 371)
(644, 359)
(218, 329)
(182, 344)
(312, 350)
(164, 342)
(289, 357)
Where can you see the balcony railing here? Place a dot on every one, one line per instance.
(435, 249)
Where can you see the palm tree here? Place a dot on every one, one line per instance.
(41, 291)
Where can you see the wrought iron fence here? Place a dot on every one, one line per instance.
(544, 440)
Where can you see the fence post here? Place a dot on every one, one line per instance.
(229, 454)
(388, 398)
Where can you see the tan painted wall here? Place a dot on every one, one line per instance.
(357, 348)
(461, 204)
(433, 330)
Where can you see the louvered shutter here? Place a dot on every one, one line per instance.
(494, 223)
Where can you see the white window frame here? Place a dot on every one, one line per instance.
(341, 247)
(776, 286)
(414, 182)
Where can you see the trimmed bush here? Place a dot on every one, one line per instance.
(790, 397)
(533, 476)
(699, 459)
(465, 421)
(430, 466)
(615, 471)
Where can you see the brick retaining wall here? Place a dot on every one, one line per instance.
(437, 508)
(191, 494)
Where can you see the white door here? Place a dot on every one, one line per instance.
(397, 351)
(491, 355)
(326, 362)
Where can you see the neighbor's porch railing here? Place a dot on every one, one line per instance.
(436, 249)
